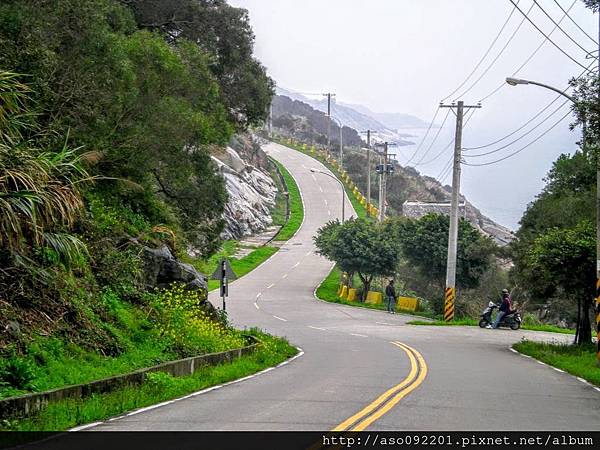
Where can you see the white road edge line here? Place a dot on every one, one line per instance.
(194, 394)
(258, 295)
(280, 318)
(316, 328)
(384, 323)
(296, 265)
(256, 305)
(556, 369)
(270, 286)
(284, 276)
(359, 335)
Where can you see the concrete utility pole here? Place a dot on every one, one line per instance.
(383, 183)
(598, 219)
(368, 165)
(450, 293)
(341, 157)
(329, 95)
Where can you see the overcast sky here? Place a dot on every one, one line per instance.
(407, 55)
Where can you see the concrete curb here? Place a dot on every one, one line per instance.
(24, 405)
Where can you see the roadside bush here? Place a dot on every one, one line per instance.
(181, 319)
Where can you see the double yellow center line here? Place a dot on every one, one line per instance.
(386, 401)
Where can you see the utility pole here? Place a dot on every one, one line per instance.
(383, 169)
(383, 183)
(450, 293)
(329, 95)
(368, 165)
(597, 315)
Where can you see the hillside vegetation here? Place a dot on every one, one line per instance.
(108, 113)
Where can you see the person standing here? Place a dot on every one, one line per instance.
(390, 293)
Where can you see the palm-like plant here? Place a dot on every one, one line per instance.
(39, 189)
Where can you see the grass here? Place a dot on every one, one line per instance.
(577, 360)
(296, 206)
(361, 211)
(246, 264)
(158, 388)
(328, 291)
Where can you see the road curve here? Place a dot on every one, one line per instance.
(424, 378)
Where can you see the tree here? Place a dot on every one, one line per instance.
(562, 262)
(359, 246)
(224, 33)
(424, 244)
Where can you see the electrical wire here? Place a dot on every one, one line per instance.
(489, 163)
(477, 155)
(483, 57)
(560, 28)
(546, 36)
(470, 114)
(445, 168)
(530, 120)
(512, 36)
(576, 24)
(503, 83)
(424, 137)
(434, 138)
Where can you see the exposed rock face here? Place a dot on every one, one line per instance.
(162, 269)
(501, 235)
(251, 192)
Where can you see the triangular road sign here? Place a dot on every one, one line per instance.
(224, 269)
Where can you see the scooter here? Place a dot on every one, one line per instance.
(512, 320)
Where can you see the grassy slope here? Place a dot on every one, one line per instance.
(578, 361)
(296, 206)
(160, 387)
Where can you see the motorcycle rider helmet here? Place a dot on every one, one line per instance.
(505, 291)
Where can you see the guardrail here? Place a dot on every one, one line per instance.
(27, 404)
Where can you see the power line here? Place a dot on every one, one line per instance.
(547, 37)
(523, 135)
(470, 113)
(483, 57)
(424, 137)
(576, 24)
(530, 120)
(434, 138)
(560, 28)
(522, 148)
(503, 84)
(446, 168)
(498, 55)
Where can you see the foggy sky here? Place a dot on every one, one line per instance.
(407, 55)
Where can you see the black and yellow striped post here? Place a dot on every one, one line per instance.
(598, 318)
(450, 297)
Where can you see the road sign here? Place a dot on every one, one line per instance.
(380, 167)
(224, 273)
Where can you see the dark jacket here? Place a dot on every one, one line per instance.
(390, 291)
(506, 305)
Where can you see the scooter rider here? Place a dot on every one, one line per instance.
(505, 308)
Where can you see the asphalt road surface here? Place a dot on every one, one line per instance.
(364, 369)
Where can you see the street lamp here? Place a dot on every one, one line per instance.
(341, 184)
(341, 142)
(516, 81)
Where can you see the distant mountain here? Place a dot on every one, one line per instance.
(360, 117)
(388, 125)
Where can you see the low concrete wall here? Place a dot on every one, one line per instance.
(24, 405)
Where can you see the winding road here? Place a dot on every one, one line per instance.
(367, 370)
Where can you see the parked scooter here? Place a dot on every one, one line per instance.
(512, 320)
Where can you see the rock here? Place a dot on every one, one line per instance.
(251, 192)
(162, 269)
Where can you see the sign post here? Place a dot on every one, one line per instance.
(224, 273)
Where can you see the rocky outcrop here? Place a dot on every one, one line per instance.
(501, 235)
(251, 192)
(162, 269)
